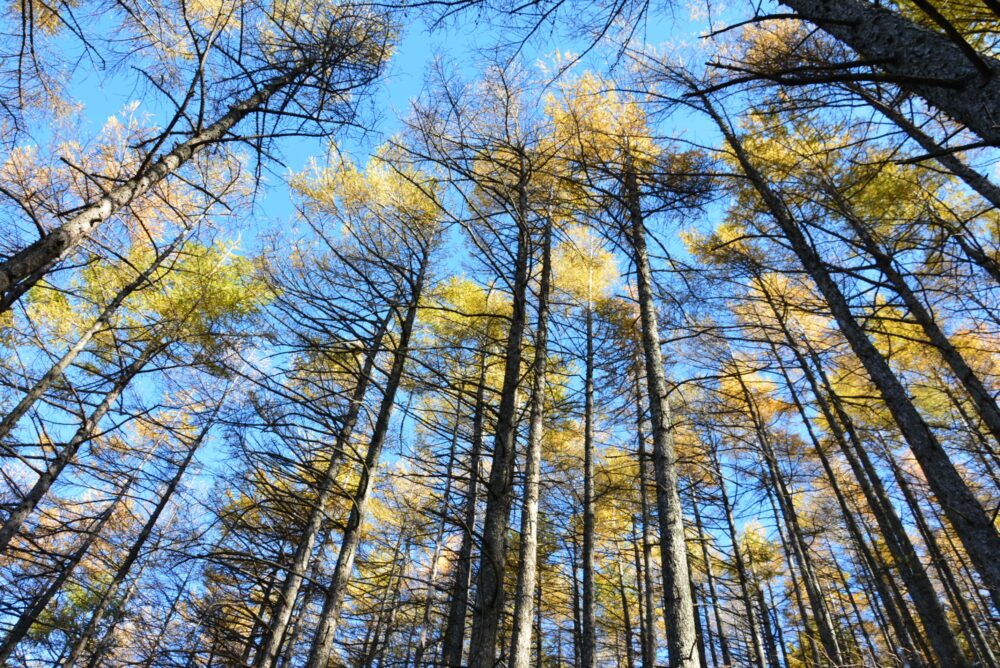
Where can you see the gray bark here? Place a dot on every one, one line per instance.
(322, 646)
(679, 609)
(918, 59)
(520, 650)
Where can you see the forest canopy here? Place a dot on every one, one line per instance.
(469, 333)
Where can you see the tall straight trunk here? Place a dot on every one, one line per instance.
(756, 655)
(493, 553)
(67, 452)
(100, 323)
(966, 513)
(982, 398)
(317, 513)
(699, 632)
(524, 597)
(821, 616)
(626, 615)
(679, 609)
(645, 477)
(86, 636)
(425, 618)
(588, 650)
(917, 59)
(30, 615)
(715, 603)
(453, 640)
(911, 569)
(322, 645)
(577, 635)
(25, 267)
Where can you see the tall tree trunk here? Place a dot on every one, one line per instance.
(493, 553)
(453, 640)
(322, 645)
(821, 615)
(756, 657)
(681, 642)
(972, 523)
(588, 650)
(317, 513)
(520, 650)
(645, 478)
(716, 603)
(30, 263)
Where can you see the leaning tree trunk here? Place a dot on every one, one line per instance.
(520, 646)
(911, 569)
(972, 523)
(20, 271)
(982, 398)
(38, 605)
(322, 646)
(681, 641)
(66, 453)
(86, 636)
(946, 72)
(328, 489)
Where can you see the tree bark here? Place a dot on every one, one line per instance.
(520, 650)
(918, 59)
(681, 641)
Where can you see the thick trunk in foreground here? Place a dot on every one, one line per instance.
(918, 59)
(30, 263)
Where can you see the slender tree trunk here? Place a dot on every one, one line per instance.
(322, 646)
(626, 615)
(645, 477)
(681, 643)
(85, 637)
(66, 453)
(425, 618)
(30, 615)
(520, 650)
(454, 634)
(317, 513)
(756, 657)
(716, 604)
(972, 523)
(589, 648)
